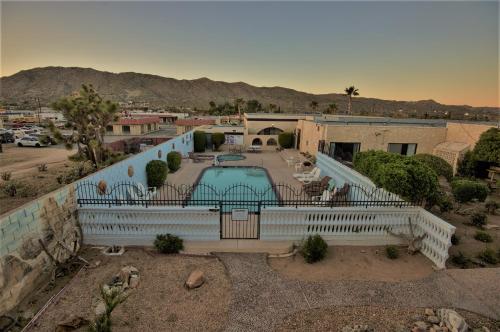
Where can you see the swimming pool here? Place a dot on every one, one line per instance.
(230, 157)
(233, 185)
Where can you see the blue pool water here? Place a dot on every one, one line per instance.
(233, 185)
(230, 157)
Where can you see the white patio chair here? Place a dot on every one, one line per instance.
(306, 174)
(325, 197)
(315, 176)
(139, 192)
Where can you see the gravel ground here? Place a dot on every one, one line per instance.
(160, 303)
(262, 298)
(379, 318)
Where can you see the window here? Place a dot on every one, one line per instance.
(343, 151)
(405, 149)
(271, 141)
(109, 129)
(256, 141)
(126, 129)
(270, 131)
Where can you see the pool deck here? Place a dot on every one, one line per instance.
(273, 161)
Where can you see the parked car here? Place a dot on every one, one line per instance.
(7, 137)
(30, 141)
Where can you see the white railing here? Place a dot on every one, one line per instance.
(139, 226)
(358, 226)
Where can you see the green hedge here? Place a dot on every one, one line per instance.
(285, 140)
(467, 190)
(200, 140)
(314, 249)
(407, 177)
(438, 164)
(218, 139)
(156, 173)
(174, 160)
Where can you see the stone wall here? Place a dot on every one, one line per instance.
(23, 264)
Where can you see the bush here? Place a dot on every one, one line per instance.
(491, 206)
(391, 252)
(285, 140)
(200, 140)
(174, 160)
(156, 173)
(77, 172)
(18, 188)
(438, 164)
(314, 249)
(218, 139)
(6, 176)
(467, 167)
(407, 177)
(168, 244)
(42, 168)
(488, 255)
(478, 219)
(483, 237)
(467, 190)
(455, 240)
(487, 148)
(444, 203)
(461, 260)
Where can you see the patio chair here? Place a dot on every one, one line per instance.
(195, 158)
(313, 177)
(306, 174)
(325, 197)
(342, 193)
(139, 192)
(315, 188)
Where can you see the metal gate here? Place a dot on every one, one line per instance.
(240, 219)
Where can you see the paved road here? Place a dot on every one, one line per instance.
(262, 297)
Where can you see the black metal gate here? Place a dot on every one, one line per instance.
(240, 219)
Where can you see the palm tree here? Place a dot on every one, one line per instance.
(332, 108)
(350, 92)
(313, 105)
(237, 103)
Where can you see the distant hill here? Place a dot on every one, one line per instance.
(51, 83)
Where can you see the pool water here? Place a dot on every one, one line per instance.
(233, 185)
(230, 157)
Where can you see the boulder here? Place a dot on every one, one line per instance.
(100, 309)
(126, 272)
(195, 279)
(429, 312)
(72, 323)
(452, 320)
(433, 319)
(30, 248)
(134, 281)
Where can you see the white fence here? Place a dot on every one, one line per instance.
(358, 226)
(139, 226)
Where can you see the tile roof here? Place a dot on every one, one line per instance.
(138, 121)
(194, 122)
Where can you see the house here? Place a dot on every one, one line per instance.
(134, 126)
(185, 125)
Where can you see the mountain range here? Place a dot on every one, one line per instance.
(50, 83)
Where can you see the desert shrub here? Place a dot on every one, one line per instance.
(168, 243)
(42, 168)
(444, 203)
(461, 260)
(391, 252)
(174, 160)
(156, 173)
(483, 237)
(111, 298)
(478, 219)
(6, 176)
(438, 164)
(199, 141)
(467, 166)
(467, 190)
(491, 206)
(314, 248)
(18, 188)
(218, 139)
(285, 140)
(408, 177)
(455, 240)
(488, 255)
(76, 172)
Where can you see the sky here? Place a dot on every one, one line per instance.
(446, 51)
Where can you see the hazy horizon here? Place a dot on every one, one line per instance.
(445, 51)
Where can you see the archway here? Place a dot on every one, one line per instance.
(256, 141)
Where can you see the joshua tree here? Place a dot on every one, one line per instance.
(272, 108)
(350, 92)
(331, 109)
(237, 103)
(313, 105)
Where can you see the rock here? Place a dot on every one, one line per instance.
(100, 309)
(73, 323)
(27, 315)
(421, 324)
(429, 312)
(435, 328)
(195, 279)
(452, 320)
(433, 320)
(30, 248)
(134, 281)
(125, 273)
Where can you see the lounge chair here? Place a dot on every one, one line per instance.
(309, 177)
(325, 197)
(138, 192)
(315, 188)
(305, 174)
(195, 158)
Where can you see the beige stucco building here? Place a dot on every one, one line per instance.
(133, 126)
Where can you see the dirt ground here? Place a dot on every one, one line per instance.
(160, 303)
(379, 318)
(22, 163)
(355, 263)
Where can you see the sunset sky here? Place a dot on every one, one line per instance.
(447, 51)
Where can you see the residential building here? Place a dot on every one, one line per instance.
(134, 126)
(185, 125)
